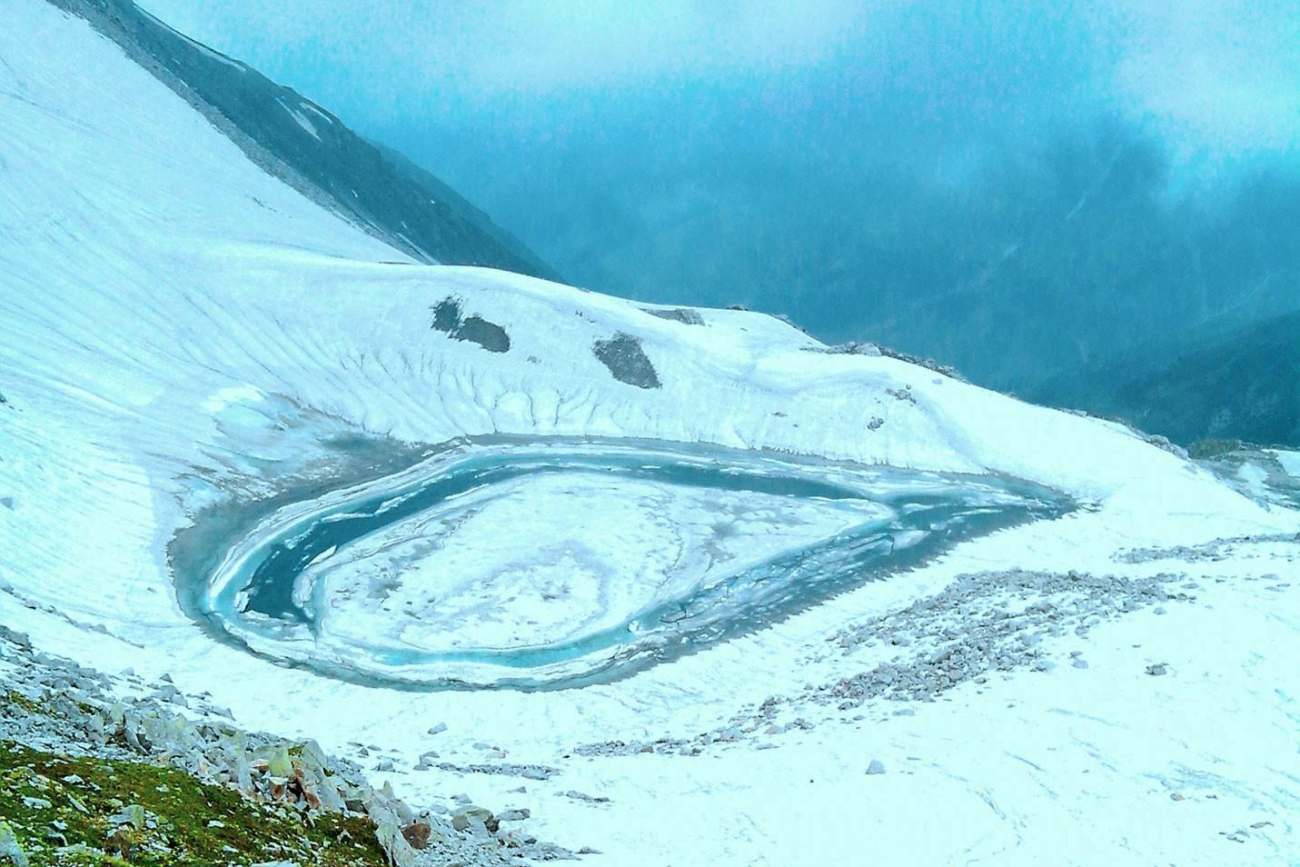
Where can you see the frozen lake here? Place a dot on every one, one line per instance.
(542, 564)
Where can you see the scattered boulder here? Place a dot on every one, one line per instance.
(876, 767)
(132, 814)
(399, 852)
(417, 834)
(476, 820)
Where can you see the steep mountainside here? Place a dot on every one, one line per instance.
(311, 150)
(1241, 385)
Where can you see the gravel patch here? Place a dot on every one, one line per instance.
(1213, 551)
(981, 624)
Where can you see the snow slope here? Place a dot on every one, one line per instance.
(180, 332)
(313, 151)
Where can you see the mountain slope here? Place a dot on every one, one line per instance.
(464, 210)
(310, 149)
(1241, 385)
(192, 352)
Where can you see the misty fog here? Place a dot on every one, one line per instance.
(1053, 204)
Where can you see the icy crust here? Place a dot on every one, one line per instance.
(543, 563)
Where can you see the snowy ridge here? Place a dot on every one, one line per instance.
(384, 195)
(180, 332)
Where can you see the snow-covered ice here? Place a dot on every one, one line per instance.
(554, 563)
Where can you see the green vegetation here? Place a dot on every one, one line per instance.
(17, 699)
(68, 810)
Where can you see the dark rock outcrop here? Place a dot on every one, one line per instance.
(626, 360)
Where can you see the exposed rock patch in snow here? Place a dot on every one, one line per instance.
(528, 772)
(684, 315)
(1216, 550)
(448, 318)
(984, 623)
(626, 360)
(980, 625)
(1270, 477)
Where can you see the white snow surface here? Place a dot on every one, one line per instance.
(1290, 462)
(178, 328)
(639, 542)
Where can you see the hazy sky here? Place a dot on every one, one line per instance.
(1217, 77)
(946, 176)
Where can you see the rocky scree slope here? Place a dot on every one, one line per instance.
(97, 768)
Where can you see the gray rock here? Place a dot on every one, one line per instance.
(582, 796)
(685, 315)
(475, 329)
(132, 814)
(876, 767)
(10, 852)
(473, 819)
(626, 360)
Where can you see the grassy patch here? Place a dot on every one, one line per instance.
(31, 706)
(52, 802)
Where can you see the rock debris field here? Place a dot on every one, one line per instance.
(305, 807)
